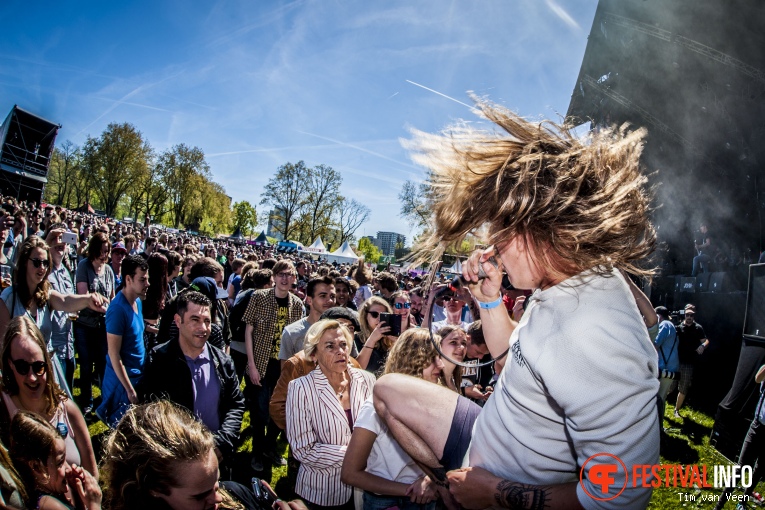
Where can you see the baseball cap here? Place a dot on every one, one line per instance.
(341, 312)
(207, 286)
(119, 247)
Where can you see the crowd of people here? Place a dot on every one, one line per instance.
(391, 391)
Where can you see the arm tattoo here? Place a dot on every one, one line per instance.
(521, 497)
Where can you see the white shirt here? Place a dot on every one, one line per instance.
(581, 379)
(387, 459)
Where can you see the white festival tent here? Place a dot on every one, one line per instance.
(342, 255)
(317, 248)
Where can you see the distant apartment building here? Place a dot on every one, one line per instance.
(387, 242)
(275, 224)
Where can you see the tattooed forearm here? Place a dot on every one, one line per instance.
(520, 497)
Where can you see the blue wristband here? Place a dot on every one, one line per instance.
(489, 306)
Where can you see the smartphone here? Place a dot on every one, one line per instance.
(394, 321)
(70, 238)
(263, 493)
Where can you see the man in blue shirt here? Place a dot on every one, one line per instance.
(669, 361)
(124, 336)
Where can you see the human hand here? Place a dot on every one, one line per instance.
(473, 487)
(97, 302)
(252, 371)
(487, 289)
(422, 491)
(700, 349)
(86, 487)
(474, 392)
(518, 308)
(54, 237)
(295, 504)
(132, 395)
(382, 329)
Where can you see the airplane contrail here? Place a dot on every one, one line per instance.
(439, 93)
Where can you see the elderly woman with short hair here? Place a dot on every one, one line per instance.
(321, 409)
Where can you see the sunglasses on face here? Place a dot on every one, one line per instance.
(22, 367)
(375, 315)
(39, 262)
(399, 306)
(450, 298)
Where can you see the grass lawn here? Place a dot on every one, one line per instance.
(687, 442)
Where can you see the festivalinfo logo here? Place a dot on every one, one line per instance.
(608, 476)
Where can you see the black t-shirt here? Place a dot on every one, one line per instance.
(689, 338)
(282, 320)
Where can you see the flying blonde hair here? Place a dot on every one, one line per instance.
(579, 206)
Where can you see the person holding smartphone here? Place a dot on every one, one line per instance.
(375, 341)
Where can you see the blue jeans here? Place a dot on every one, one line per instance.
(700, 263)
(375, 502)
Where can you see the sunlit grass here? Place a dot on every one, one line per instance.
(688, 443)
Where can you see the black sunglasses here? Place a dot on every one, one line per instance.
(451, 298)
(38, 262)
(374, 315)
(22, 367)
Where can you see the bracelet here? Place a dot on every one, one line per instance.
(489, 306)
(367, 347)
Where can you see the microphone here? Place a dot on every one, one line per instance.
(458, 282)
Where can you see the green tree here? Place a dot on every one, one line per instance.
(287, 192)
(121, 154)
(245, 217)
(370, 252)
(187, 173)
(63, 174)
(214, 212)
(154, 192)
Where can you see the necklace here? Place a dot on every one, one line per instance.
(343, 387)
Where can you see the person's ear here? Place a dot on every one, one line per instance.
(39, 469)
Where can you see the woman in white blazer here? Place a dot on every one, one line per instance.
(321, 409)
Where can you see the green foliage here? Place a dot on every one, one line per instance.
(370, 252)
(65, 187)
(245, 217)
(188, 177)
(113, 163)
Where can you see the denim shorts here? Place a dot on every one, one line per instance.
(460, 433)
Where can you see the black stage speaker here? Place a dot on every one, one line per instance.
(716, 282)
(702, 282)
(754, 317)
(688, 284)
(26, 146)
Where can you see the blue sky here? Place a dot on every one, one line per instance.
(259, 83)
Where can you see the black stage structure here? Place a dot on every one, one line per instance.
(27, 145)
(692, 73)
